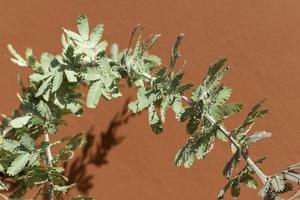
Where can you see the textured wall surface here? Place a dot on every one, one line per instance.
(125, 160)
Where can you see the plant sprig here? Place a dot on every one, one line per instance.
(53, 93)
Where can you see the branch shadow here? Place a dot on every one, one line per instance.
(77, 169)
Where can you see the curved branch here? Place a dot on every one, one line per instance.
(226, 133)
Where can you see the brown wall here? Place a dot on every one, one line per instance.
(261, 39)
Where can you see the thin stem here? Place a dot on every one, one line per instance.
(39, 192)
(260, 174)
(226, 133)
(49, 156)
(48, 151)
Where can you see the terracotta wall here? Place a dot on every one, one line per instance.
(126, 160)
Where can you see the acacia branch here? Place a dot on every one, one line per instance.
(263, 177)
(227, 134)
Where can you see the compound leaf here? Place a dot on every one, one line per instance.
(19, 122)
(94, 94)
(83, 26)
(17, 59)
(18, 164)
(57, 80)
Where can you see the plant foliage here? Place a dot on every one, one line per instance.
(88, 60)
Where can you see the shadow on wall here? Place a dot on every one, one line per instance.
(96, 150)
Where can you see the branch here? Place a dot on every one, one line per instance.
(48, 150)
(226, 133)
(264, 178)
(49, 162)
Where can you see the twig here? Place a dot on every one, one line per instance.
(48, 150)
(39, 192)
(49, 162)
(226, 133)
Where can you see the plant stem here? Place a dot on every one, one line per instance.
(227, 134)
(49, 193)
(48, 151)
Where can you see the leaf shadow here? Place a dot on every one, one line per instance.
(95, 151)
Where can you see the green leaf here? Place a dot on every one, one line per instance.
(227, 172)
(182, 88)
(185, 156)
(230, 109)
(204, 141)
(62, 189)
(151, 40)
(48, 60)
(57, 80)
(188, 113)
(175, 54)
(214, 68)
(46, 95)
(96, 35)
(255, 113)
(101, 46)
(145, 98)
(19, 122)
(10, 145)
(75, 108)
(27, 142)
(83, 26)
(92, 74)
(43, 87)
(154, 121)
(44, 109)
(34, 159)
(18, 164)
(17, 59)
(71, 76)
(174, 83)
(74, 142)
(216, 80)
(94, 94)
(152, 61)
(235, 188)
(163, 108)
(260, 160)
(38, 77)
(178, 108)
(223, 95)
(73, 35)
(192, 125)
(114, 52)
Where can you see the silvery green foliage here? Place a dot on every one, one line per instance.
(85, 60)
(164, 91)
